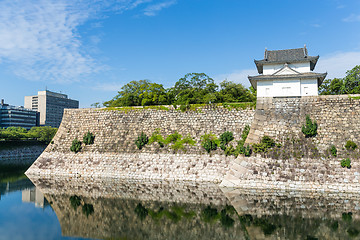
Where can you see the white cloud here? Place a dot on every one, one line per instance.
(337, 64)
(316, 25)
(153, 10)
(237, 76)
(39, 39)
(352, 18)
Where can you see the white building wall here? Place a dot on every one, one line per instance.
(299, 67)
(309, 87)
(287, 88)
(264, 89)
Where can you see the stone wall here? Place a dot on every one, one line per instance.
(337, 116)
(305, 174)
(115, 154)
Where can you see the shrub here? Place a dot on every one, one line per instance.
(245, 133)
(75, 146)
(265, 143)
(225, 138)
(310, 128)
(156, 137)
(172, 138)
(247, 151)
(88, 138)
(230, 150)
(141, 141)
(350, 145)
(179, 144)
(185, 107)
(346, 163)
(333, 150)
(209, 142)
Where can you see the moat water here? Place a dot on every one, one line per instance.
(39, 208)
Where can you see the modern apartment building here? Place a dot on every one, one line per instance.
(11, 116)
(50, 106)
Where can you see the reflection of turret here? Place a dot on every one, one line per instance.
(34, 195)
(19, 185)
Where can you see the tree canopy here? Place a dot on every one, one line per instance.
(41, 134)
(193, 88)
(350, 84)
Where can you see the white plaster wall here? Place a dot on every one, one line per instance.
(264, 89)
(309, 87)
(269, 69)
(300, 67)
(287, 88)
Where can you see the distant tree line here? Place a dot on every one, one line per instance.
(193, 88)
(350, 84)
(41, 134)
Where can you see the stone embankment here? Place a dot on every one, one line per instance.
(338, 119)
(115, 154)
(337, 116)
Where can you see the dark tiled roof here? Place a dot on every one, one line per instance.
(286, 56)
(310, 75)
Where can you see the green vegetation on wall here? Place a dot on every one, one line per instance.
(310, 128)
(141, 141)
(346, 163)
(350, 145)
(209, 142)
(75, 146)
(88, 138)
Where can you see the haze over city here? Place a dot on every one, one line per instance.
(90, 49)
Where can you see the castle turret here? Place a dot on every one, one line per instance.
(285, 73)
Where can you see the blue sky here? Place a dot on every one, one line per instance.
(89, 49)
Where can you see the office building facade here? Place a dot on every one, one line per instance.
(11, 116)
(50, 106)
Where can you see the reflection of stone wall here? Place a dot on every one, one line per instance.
(115, 154)
(116, 219)
(260, 215)
(168, 191)
(22, 155)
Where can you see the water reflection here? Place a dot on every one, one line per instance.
(110, 209)
(34, 195)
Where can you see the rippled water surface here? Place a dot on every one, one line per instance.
(112, 209)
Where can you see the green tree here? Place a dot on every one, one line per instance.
(350, 84)
(42, 134)
(352, 80)
(332, 87)
(194, 88)
(139, 93)
(234, 92)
